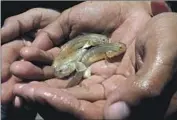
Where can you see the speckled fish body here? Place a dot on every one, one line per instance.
(103, 51)
(81, 41)
(66, 66)
(63, 63)
(95, 54)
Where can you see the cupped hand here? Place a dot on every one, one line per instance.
(96, 16)
(88, 99)
(106, 17)
(147, 93)
(91, 16)
(13, 27)
(121, 21)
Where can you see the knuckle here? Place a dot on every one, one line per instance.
(36, 12)
(37, 9)
(148, 89)
(8, 20)
(40, 10)
(33, 83)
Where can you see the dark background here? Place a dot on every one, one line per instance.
(10, 8)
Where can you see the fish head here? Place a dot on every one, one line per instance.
(118, 48)
(98, 38)
(64, 70)
(122, 47)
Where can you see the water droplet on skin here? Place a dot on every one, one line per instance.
(47, 94)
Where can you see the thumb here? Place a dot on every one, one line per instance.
(155, 75)
(54, 33)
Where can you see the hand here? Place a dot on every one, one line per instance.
(13, 27)
(43, 93)
(154, 83)
(73, 21)
(88, 99)
(36, 18)
(10, 53)
(70, 23)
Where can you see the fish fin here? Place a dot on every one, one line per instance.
(75, 80)
(87, 73)
(80, 66)
(106, 60)
(87, 45)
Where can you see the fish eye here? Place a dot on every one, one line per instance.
(60, 70)
(104, 39)
(63, 69)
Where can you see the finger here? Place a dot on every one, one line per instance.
(88, 90)
(90, 93)
(32, 19)
(94, 79)
(104, 69)
(18, 102)
(30, 71)
(56, 83)
(134, 24)
(70, 23)
(36, 54)
(53, 33)
(7, 90)
(59, 83)
(172, 106)
(117, 104)
(10, 53)
(153, 75)
(60, 100)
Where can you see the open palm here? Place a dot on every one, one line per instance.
(123, 22)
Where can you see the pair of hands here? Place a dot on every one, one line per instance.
(115, 88)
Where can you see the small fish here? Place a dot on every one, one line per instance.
(81, 41)
(66, 66)
(100, 52)
(103, 51)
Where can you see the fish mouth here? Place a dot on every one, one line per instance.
(70, 76)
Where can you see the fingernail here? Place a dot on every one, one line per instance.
(119, 110)
(3, 26)
(27, 43)
(18, 102)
